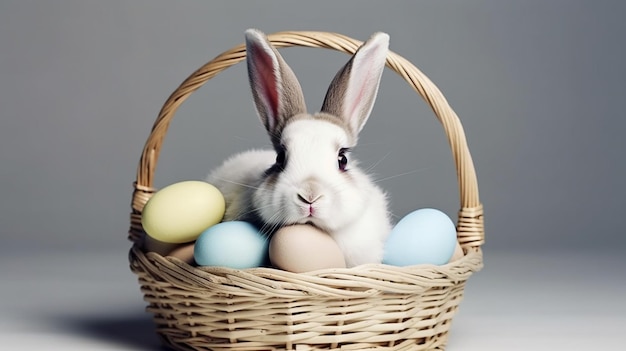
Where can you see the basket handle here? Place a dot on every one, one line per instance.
(470, 227)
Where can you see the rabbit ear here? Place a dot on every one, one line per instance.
(276, 91)
(352, 92)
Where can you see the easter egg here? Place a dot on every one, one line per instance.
(179, 212)
(304, 248)
(183, 252)
(234, 244)
(458, 253)
(425, 236)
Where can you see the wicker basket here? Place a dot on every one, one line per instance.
(372, 306)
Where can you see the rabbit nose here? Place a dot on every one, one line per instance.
(309, 192)
(309, 199)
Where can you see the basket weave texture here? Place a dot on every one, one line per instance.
(372, 306)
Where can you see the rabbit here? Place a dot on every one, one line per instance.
(309, 176)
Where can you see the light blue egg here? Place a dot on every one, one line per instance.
(424, 236)
(233, 244)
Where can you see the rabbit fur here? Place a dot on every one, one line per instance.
(309, 176)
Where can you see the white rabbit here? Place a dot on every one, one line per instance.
(309, 176)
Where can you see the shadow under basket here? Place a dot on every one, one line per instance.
(374, 306)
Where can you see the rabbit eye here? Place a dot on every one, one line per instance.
(280, 159)
(342, 159)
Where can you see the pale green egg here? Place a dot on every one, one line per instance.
(179, 212)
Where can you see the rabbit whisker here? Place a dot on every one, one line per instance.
(238, 183)
(402, 174)
(273, 224)
(368, 169)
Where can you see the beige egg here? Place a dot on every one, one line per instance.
(184, 251)
(304, 248)
(458, 253)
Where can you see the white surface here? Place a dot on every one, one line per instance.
(565, 301)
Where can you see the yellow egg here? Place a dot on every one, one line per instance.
(179, 212)
(304, 248)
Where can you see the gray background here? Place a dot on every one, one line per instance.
(538, 85)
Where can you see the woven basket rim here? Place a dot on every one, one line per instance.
(354, 282)
(470, 227)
